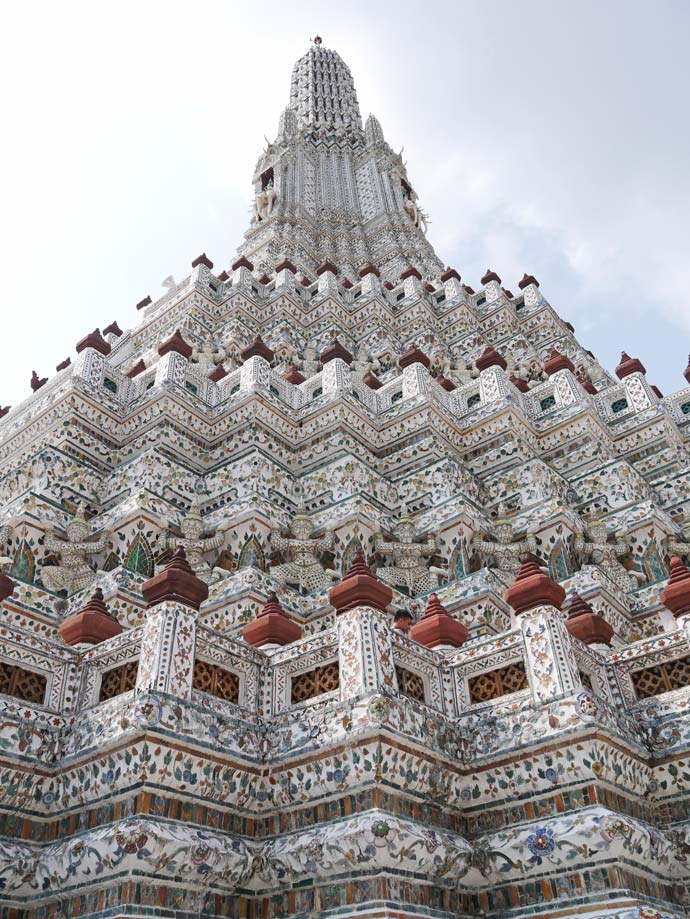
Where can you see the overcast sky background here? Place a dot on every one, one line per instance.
(547, 137)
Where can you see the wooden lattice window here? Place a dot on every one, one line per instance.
(495, 683)
(652, 681)
(315, 682)
(216, 681)
(22, 684)
(118, 680)
(410, 684)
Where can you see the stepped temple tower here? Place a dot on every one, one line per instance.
(338, 588)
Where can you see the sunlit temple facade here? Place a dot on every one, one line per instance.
(336, 587)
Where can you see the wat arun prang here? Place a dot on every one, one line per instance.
(337, 587)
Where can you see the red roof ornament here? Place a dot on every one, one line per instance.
(657, 392)
(585, 624)
(63, 365)
(359, 587)
(518, 383)
(93, 623)
(36, 381)
(438, 627)
(556, 362)
(676, 594)
(369, 269)
(218, 373)
(145, 302)
(258, 348)
(429, 288)
(286, 264)
(138, 368)
(113, 329)
(413, 355)
(629, 365)
(324, 267)
(468, 289)
(176, 583)
(587, 385)
(388, 285)
(305, 282)
(410, 272)
(335, 349)
(686, 372)
(264, 279)
(490, 358)
(533, 588)
(94, 340)
(448, 274)
(528, 279)
(292, 375)
(242, 262)
(223, 276)
(509, 294)
(4, 410)
(202, 259)
(347, 284)
(490, 276)
(371, 381)
(272, 626)
(447, 384)
(176, 344)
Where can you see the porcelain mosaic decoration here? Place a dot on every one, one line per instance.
(338, 588)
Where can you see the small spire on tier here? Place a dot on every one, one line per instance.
(437, 628)
(93, 623)
(629, 365)
(490, 358)
(676, 594)
(176, 583)
(272, 626)
(359, 587)
(585, 624)
(532, 588)
(556, 362)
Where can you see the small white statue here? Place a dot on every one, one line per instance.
(409, 568)
(195, 544)
(73, 573)
(680, 544)
(207, 356)
(605, 554)
(265, 201)
(505, 550)
(304, 568)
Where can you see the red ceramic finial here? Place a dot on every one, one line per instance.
(528, 279)
(556, 362)
(583, 623)
(518, 383)
(242, 262)
(410, 272)
(91, 625)
(676, 595)
(257, 349)
(359, 587)
(176, 583)
(533, 588)
(286, 264)
(413, 355)
(447, 384)
(272, 626)
(218, 373)
(629, 365)
(448, 274)
(438, 627)
(371, 381)
(490, 276)
(292, 375)
(369, 269)
(93, 340)
(36, 381)
(490, 358)
(335, 349)
(326, 266)
(686, 372)
(202, 259)
(176, 344)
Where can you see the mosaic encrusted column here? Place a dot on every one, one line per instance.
(168, 642)
(494, 384)
(549, 655)
(89, 366)
(255, 371)
(171, 368)
(336, 376)
(365, 653)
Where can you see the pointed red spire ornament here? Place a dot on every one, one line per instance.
(113, 329)
(359, 587)
(335, 349)
(176, 583)
(36, 381)
(138, 368)
(292, 375)
(371, 381)
(93, 623)
(527, 279)
(490, 276)
(369, 269)
(177, 344)
(448, 274)
(218, 373)
(438, 627)
(257, 349)
(490, 358)
(147, 301)
(202, 259)
(556, 362)
(272, 626)
(326, 266)
(532, 587)
(518, 383)
(585, 624)
(93, 340)
(242, 262)
(676, 594)
(286, 264)
(447, 384)
(686, 372)
(413, 355)
(410, 272)
(63, 365)
(629, 365)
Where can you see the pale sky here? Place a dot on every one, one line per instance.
(546, 137)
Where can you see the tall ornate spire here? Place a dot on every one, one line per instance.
(328, 190)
